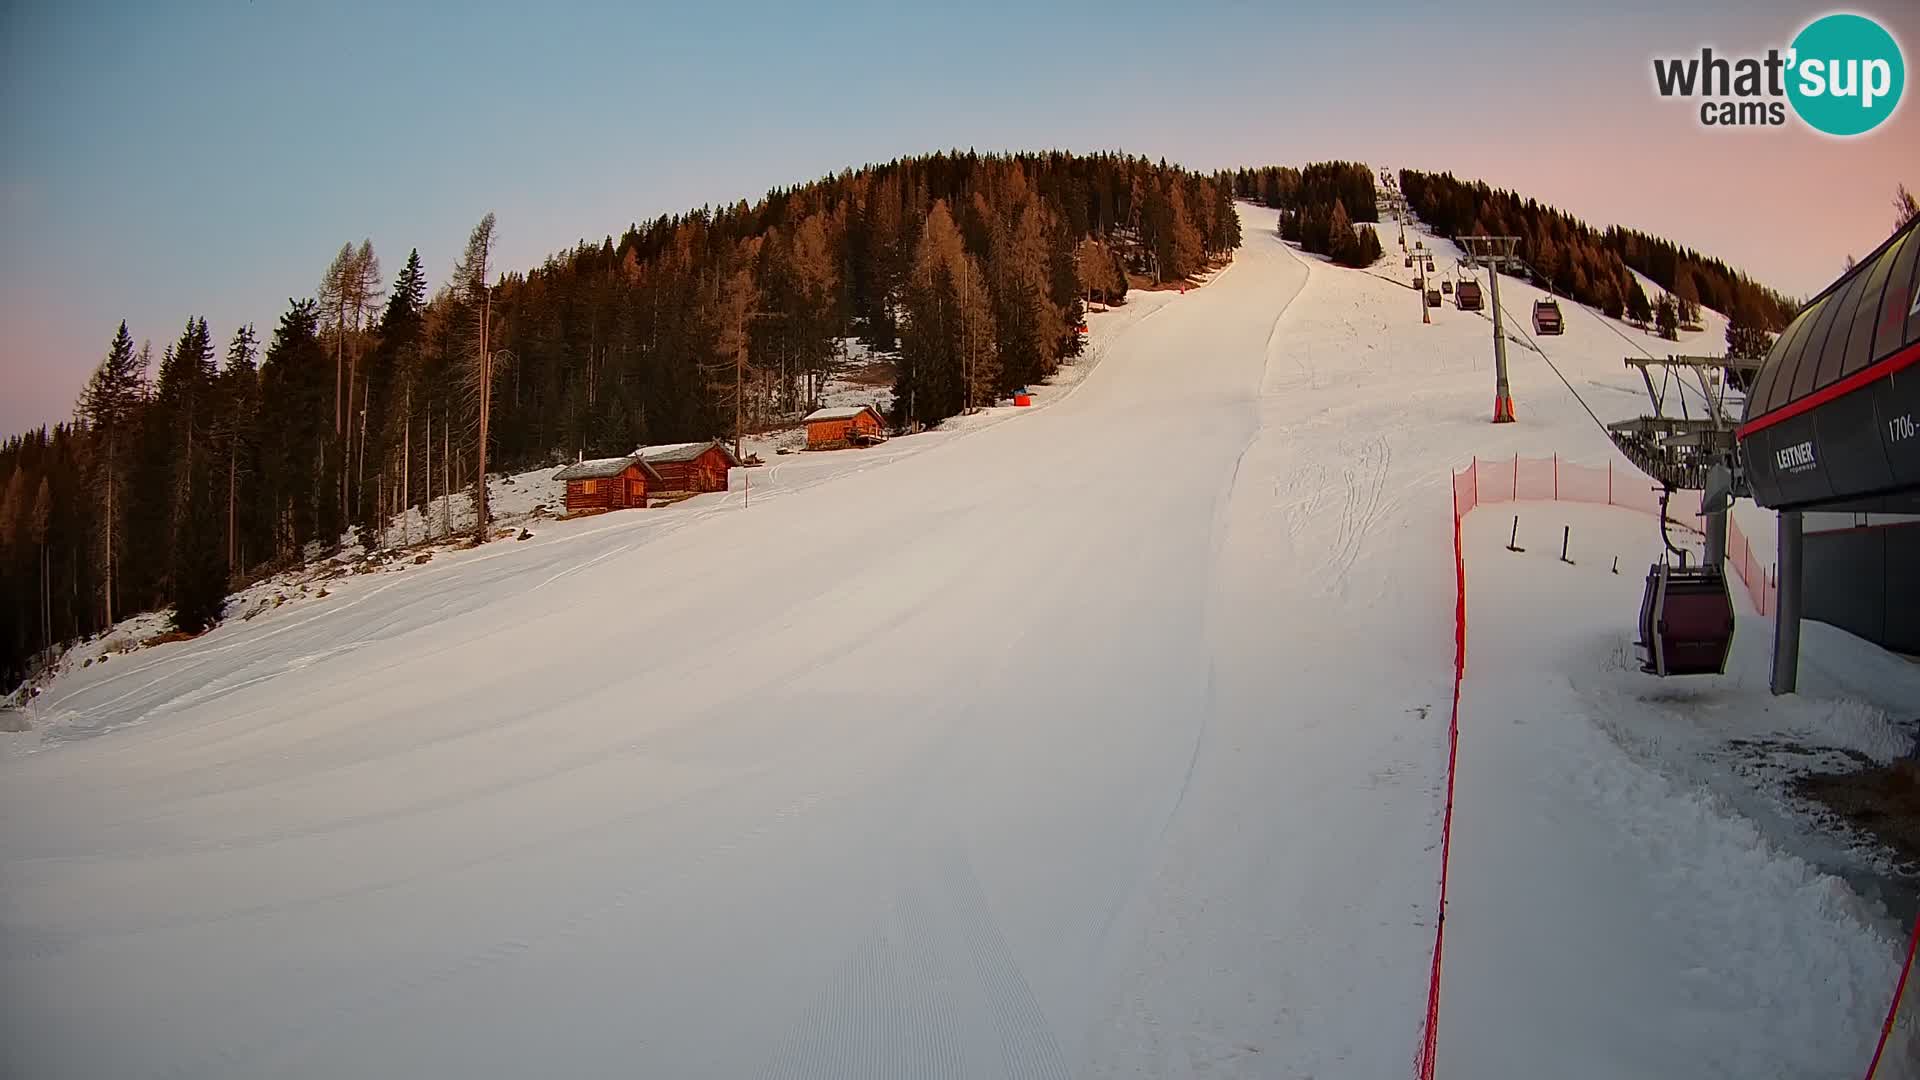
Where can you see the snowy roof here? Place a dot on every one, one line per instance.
(844, 413)
(674, 453)
(599, 468)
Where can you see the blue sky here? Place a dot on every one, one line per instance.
(169, 160)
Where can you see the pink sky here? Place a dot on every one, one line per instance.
(122, 199)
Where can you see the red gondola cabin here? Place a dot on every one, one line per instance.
(608, 483)
(833, 429)
(1546, 317)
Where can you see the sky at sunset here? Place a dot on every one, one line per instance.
(164, 161)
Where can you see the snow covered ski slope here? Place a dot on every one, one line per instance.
(1103, 740)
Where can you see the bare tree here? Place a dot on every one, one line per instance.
(734, 297)
(349, 297)
(1905, 207)
(471, 288)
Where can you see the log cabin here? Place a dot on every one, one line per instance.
(832, 429)
(608, 483)
(690, 467)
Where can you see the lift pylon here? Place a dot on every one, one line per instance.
(1497, 252)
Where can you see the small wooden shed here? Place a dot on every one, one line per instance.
(608, 483)
(832, 429)
(689, 467)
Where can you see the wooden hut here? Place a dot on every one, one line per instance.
(608, 483)
(832, 429)
(689, 467)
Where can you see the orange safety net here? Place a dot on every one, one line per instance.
(1550, 479)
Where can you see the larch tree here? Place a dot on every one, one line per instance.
(1188, 251)
(472, 289)
(1686, 299)
(349, 294)
(816, 280)
(1098, 275)
(732, 303)
(1340, 241)
(1639, 309)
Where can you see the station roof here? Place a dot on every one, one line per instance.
(1830, 419)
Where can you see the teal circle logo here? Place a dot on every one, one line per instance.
(1845, 74)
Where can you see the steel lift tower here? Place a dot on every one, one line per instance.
(1497, 252)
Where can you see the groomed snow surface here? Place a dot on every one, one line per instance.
(1101, 738)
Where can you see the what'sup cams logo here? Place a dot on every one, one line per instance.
(1842, 75)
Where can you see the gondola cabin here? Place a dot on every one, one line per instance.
(1686, 621)
(691, 467)
(835, 429)
(1546, 317)
(1447, 287)
(615, 483)
(1468, 296)
(1433, 297)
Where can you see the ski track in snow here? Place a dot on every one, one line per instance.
(1102, 739)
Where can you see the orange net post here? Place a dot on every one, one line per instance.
(1581, 483)
(1533, 478)
(1493, 481)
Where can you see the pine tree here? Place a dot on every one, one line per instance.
(200, 567)
(108, 408)
(295, 430)
(13, 509)
(1667, 317)
(42, 517)
(948, 355)
(235, 438)
(1369, 249)
(1746, 338)
(397, 383)
(183, 410)
(184, 402)
(1028, 325)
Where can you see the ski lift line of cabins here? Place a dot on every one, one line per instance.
(1686, 611)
